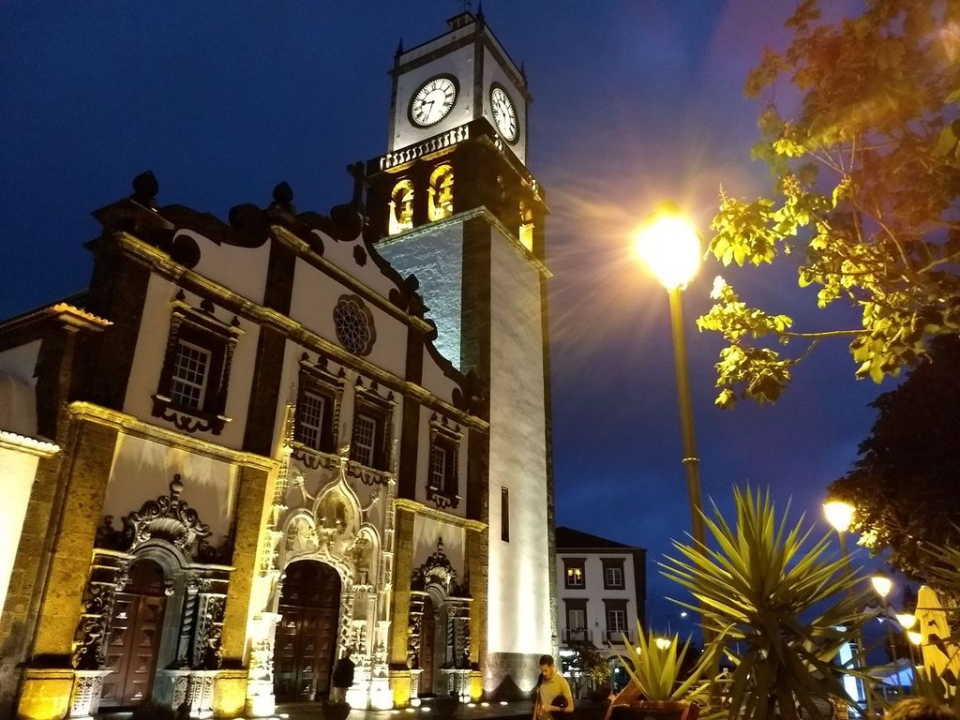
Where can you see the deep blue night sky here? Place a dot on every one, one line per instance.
(634, 101)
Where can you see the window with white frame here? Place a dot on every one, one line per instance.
(191, 372)
(616, 621)
(364, 439)
(576, 618)
(438, 467)
(310, 426)
(574, 575)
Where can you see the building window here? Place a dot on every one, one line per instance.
(311, 414)
(505, 514)
(364, 439)
(401, 207)
(612, 573)
(440, 203)
(616, 612)
(443, 481)
(190, 374)
(370, 442)
(195, 375)
(574, 575)
(576, 630)
(353, 323)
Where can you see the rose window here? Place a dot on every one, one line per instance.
(354, 325)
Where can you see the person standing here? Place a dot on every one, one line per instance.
(553, 692)
(342, 677)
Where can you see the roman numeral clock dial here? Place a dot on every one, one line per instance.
(504, 113)
(433, 101)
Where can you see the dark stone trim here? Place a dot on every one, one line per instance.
(264, 392)
(640, 583)
(475, 303)
(404, 67)
(409, 450)
(118, 290)
(478, 94)
(280, 272)
(607, 563)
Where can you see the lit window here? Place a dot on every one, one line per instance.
(575, 576)
(364, 440)
(189, 383)
(309, 429)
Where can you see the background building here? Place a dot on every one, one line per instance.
(601, 587)
(277, 445)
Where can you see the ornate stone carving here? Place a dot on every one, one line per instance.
(438, 570)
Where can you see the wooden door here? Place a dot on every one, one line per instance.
(306, 640)
(134, 641)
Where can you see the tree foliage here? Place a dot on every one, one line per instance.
(867, 175)
(592, 664)
(903, 484)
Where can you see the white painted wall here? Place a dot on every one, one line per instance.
(315, 295)
(18, 405)
(142, 470)
(18, 471)
(426, 531)
(21, 361)
(594, 593)
(243, 270)
(434, 255)
(520, 576)
(150, 351)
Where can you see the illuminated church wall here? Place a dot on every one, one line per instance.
(434, 256)
(519, 614)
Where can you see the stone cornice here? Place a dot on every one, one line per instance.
(66, 314)
(130, 425)
(426, 511)
(27, 445)
(462, 217)
(294, 330)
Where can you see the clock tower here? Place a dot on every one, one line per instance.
(453, 204)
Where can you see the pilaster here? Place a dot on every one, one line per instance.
(253, 497)
(400, 622)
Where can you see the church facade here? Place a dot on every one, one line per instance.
(286, 436)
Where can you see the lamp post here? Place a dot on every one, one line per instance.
(840, 516)
(669, 245)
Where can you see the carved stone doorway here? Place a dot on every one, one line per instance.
(306, 640)
(135, 632)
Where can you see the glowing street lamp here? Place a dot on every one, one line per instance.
(839, 514)
(915, 637)
(907, 620)
(669, 245)
(882, 584)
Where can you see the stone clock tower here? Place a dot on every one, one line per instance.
(455, 206)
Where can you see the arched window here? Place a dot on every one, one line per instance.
(401, 207)
(441, 193)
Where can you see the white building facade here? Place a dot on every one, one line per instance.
(601, 591)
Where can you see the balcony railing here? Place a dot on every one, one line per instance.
(615, 637)
(577, 635)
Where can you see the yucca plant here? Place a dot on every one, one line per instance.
(655, 667)
(784, 606)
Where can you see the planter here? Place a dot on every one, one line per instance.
(652, 710)
(446, 706)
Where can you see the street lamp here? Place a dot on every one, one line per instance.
(840, 516)
(669, 245)
(882, 585)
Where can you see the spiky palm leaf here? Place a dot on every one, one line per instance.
(656, 670)
(763, 588)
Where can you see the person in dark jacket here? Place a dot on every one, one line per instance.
(342, 677)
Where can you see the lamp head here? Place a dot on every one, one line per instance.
(907, 620)
(669, 245)
(881, 584)
(839, 514)
(915, 637)
(662, 643)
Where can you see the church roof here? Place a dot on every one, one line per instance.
(570, 539)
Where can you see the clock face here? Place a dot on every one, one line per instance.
(504, 113)
(434, 99)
